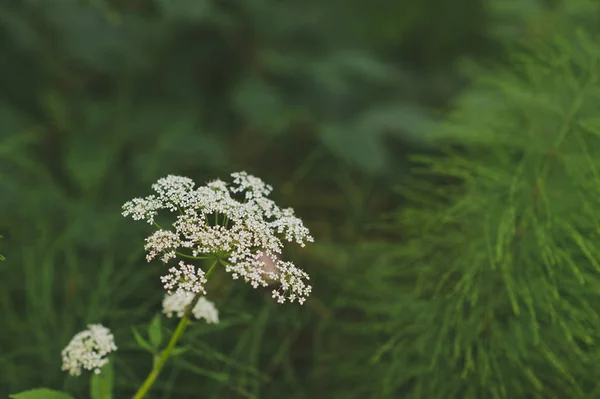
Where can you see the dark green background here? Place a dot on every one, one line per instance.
(322, 99)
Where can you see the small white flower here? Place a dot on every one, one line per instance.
(176, 303)
(143, 208)
(235, 222)
(185, 278)
(254, 187)
(206, 310)
(88, 350)
(162, 242)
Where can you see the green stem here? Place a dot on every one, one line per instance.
(192, 257)
(162, 359)
(158, 365)
(103, 388)
(212, 267)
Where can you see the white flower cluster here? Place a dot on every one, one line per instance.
(234, 222)
(186, 278)
(88, 350)
(176, 303)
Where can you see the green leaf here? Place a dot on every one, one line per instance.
(101, 385)
(155, 332)
(363, 140)
(141, 341)
(90, 154)
(178, 351)
(41, 393)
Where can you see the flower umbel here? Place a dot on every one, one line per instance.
(88, 350)
(235, 223)
(186, 278)
(204, 309)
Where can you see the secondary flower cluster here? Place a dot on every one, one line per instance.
(236, 223)
(88, 350)
(177, 302)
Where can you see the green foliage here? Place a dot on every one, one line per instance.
(41, 393)
(143, 343)
(527, 20)
(496, 293)
(155, 332)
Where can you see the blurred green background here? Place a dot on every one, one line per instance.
(322, 99)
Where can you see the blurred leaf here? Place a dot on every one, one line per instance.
(360, 65)
(155, 332)
(402, 120)
(179, 351)
(41, 393)
(362, 142)
(92, 151)
(202, 371)
(141, 341)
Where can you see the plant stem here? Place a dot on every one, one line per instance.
(103, 388)
(190, 256)
(158, 365)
